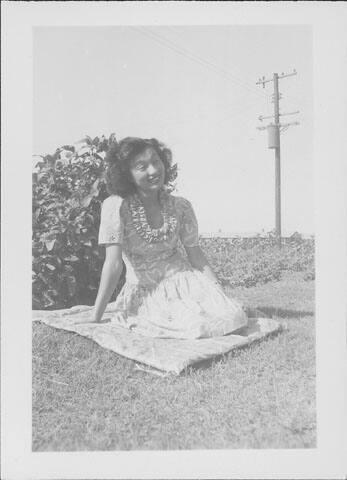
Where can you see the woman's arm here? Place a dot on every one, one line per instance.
(111, 272)
(198, 260)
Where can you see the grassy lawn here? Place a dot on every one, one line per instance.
(263, 396)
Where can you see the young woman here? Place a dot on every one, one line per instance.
(170, 289)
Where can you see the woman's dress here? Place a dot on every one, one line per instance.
(163, 296)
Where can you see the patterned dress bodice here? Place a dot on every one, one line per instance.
(149, 263)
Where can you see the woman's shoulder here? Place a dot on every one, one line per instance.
(181, 202)
(112, 201)
(113, 205)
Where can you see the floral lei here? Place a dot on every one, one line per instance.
(141, 224)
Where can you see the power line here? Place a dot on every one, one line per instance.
(223, 69)
(198, 59)
(244, 81)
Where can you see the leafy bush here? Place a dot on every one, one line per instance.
(68, 189)
(249, 261)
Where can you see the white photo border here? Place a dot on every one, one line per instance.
(329, 24)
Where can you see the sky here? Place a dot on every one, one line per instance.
(194, 88)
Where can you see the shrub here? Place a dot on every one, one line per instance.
(68, 189)
(250, 261)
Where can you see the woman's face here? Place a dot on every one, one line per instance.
(148, 171)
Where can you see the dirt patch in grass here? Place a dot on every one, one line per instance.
(263, 396)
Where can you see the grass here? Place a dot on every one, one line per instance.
(263, 396)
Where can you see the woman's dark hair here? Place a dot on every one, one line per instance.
(119, 156)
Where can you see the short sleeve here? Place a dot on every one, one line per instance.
(189, 232)
(111, 224)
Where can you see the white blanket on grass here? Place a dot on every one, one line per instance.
(165, 355)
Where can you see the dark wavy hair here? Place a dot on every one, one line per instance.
(119, 156)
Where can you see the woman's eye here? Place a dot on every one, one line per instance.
(155, 163)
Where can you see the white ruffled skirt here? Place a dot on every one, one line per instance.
(185, 305)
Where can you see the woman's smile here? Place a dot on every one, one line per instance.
(154, 180)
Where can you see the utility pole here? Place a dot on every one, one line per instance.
(277, 161)
(274, 141)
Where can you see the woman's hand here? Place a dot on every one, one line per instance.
(88, 317)
(198, 260)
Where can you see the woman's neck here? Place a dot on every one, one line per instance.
(149, 198)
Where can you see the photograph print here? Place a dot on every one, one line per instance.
(173, 285)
